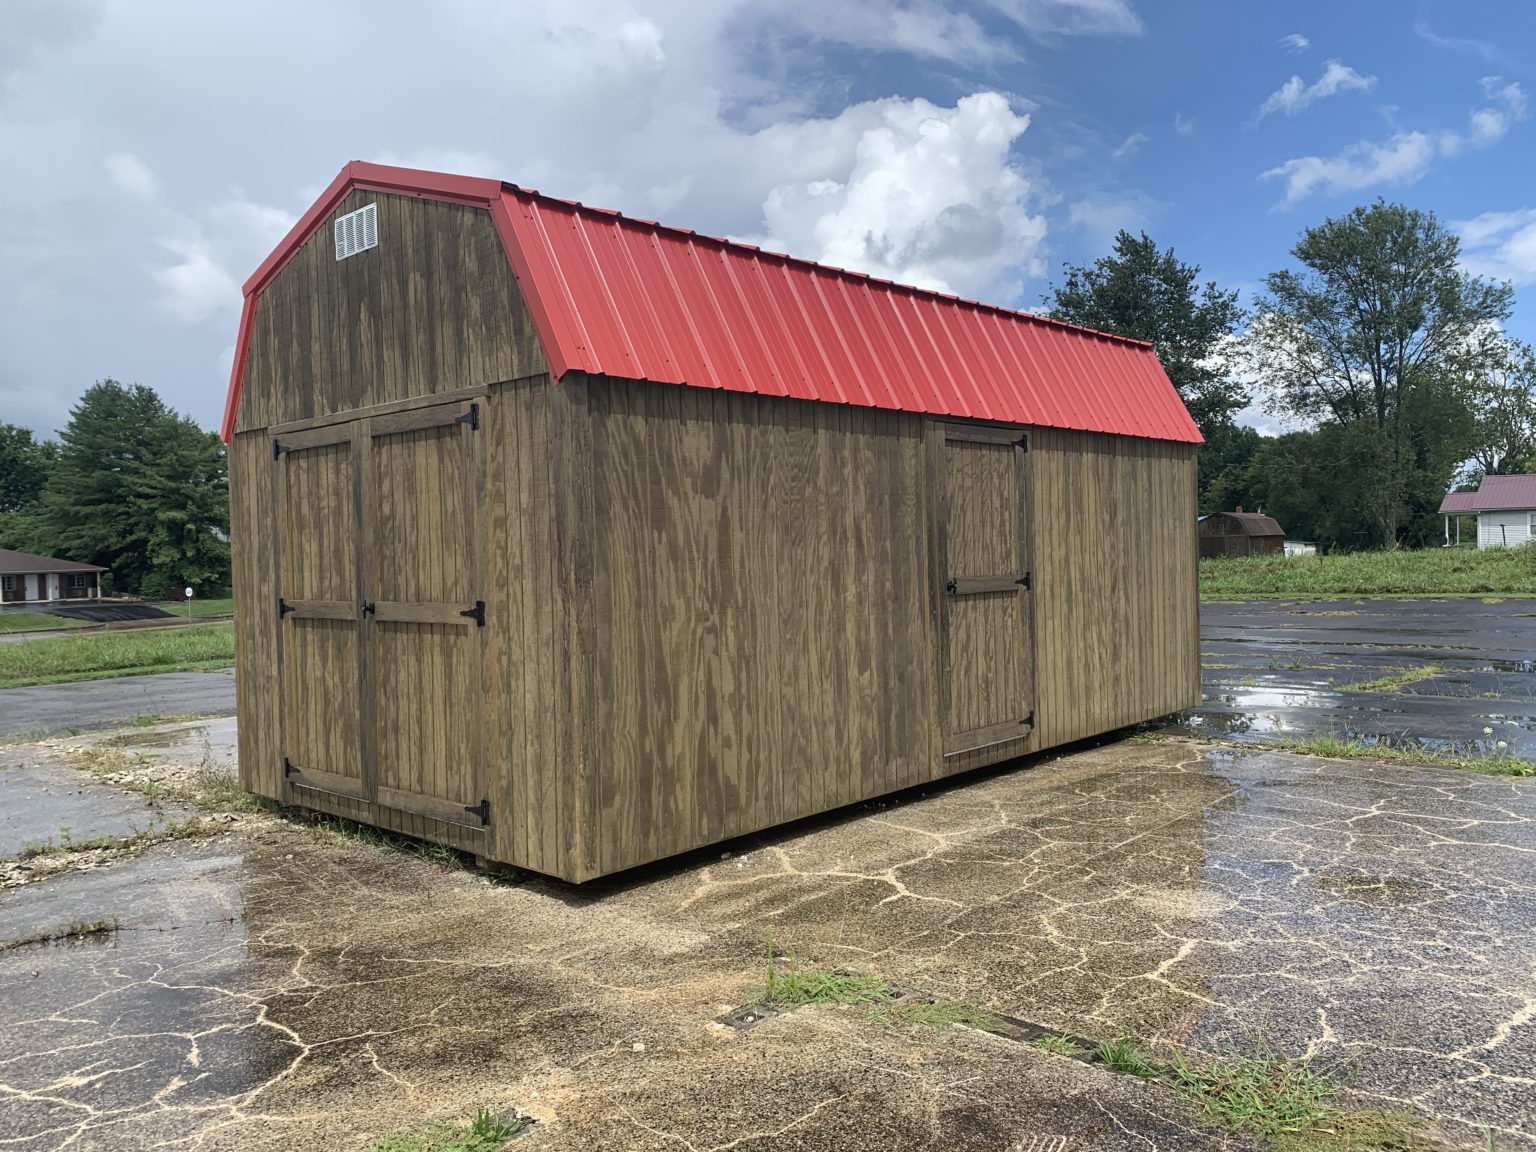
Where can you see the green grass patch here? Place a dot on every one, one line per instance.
(935, 1014)
(201, 609)
(1340, 748)
(1394, 682)
(1404, 572)
(35, 622)
(1125, 1055)
(489, 1131)
(107, 654)
(1057, 1045)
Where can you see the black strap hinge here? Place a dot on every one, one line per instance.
(477, 613)
(283, 607)
(278, 449)
(482, 810)
(1022, 442)
(288, 768)
(952, 588)
(1029, 721)
(472, 418)
(369, 607)
(1023, 581)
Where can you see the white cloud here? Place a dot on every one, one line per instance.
(1131, 144)
(1295, 42)
(1295, 95)
(1183, 124)
(1404, 157)
(131, 175)
(1101, 218)
(1465, 44)
(911, 191)
(1501, 245)
(213, 251)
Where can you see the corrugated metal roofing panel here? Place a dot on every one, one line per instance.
(1494, 494)
(612, 295)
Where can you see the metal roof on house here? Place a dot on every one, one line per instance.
(1494, 494)
(616, 296)
(1252, 523)
(14, 563)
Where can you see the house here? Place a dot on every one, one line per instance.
(25, 578)
(1240, 533)
(574, 541)
(1505, 507)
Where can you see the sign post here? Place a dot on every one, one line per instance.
(188, 594)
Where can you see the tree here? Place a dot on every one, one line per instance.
(140, 490)
(1366, 337)
(1501, 390)
(24, 464)
(1148, 294)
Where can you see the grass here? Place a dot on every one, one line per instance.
(1424, 572)
(1057, 1045)
(935, 1014)
(339, 828)
(489, 1131)
(1124, 1055)
(35, 622)
(201, 609)
(1341, 748)
(1394, 682)
(107, 654)
(51, 856)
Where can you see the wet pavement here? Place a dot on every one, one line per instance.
(1277, 669)
(285, 988)
(50, 709)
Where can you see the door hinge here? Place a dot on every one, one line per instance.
(1023, 580)
(288, 768)
(1022, 442)
(369, 607)
(477, 613)
(283, 607)
(278, 449)
(952, 588)
(1029, 721)
(472, 418)
(482, 810)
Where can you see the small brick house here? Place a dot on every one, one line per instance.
(26, 578)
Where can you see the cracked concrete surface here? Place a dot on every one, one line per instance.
(279, 988)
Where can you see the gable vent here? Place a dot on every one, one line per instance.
(357, 231)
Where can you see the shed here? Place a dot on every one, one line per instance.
(28, 578)
(1505, 507)
(1240, 534)
(575, 541)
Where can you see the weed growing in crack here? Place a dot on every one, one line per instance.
(1124, 1055)
(794, 986)
(1263, 1092)
(1057, 1045)
(1397, 680)
(935, 1014)
(339, 828)
(489, 1131)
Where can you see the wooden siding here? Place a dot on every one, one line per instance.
(432, 309)
(252, 526)
(1116, 594)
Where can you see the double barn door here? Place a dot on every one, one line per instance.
(381, 610)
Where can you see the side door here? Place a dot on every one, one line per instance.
(985, 647)
(320, 642)
(423, 499)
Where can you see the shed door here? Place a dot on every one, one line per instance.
(426, 611)
(320, 646)
(984, 600)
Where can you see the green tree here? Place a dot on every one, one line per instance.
(1149, 294)
(24, 464)
(1363, 340)
(141, 491)
(1501, 389)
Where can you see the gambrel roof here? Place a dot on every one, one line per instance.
(616, 296)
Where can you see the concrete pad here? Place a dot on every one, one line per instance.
(53, 709)
(283, 988)
(43, 801)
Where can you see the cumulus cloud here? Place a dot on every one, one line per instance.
(1296, 95)
(913, 192)
(1501, 245)
(1404, 157)
(213, 252)
(1101, 218)
(1295, 42)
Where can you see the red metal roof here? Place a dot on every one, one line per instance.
(610, 295)
(1494, 494)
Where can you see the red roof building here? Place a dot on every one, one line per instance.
(1505, 507)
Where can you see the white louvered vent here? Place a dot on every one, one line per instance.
(357, 231)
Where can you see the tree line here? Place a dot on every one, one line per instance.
(130, 485)
(1385, 355)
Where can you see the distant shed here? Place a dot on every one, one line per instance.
(1240, 534)
(575, 541)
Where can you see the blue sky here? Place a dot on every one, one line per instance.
(155, 150)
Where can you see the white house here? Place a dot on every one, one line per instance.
(1505, 507)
